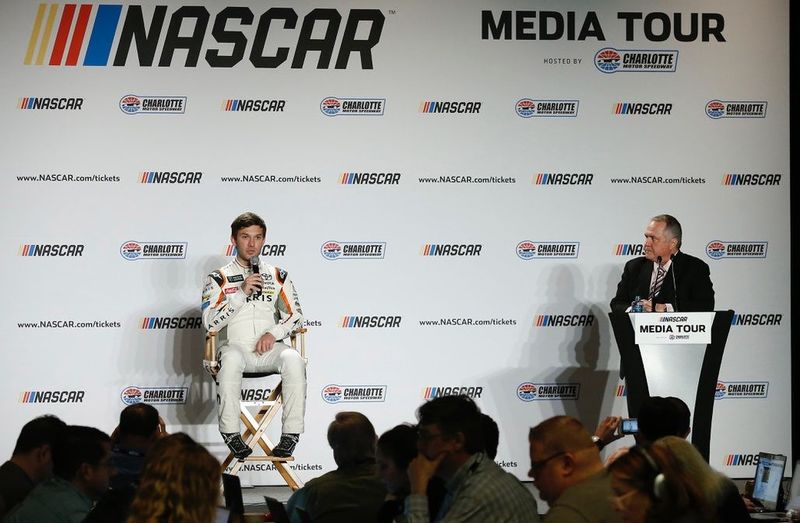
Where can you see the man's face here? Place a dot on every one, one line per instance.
(658, 242)
(546, 472)
(97, 477)
(395, 479)
(432, 441)
(249, 242)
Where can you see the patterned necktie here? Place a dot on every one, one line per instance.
(659, 281)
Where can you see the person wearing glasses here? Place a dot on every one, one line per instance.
(450, 444)
(567, 470)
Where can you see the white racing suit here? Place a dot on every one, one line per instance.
(240, 321)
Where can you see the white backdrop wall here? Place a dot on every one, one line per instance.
(472, 178)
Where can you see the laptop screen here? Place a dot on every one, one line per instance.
(767, 483)
(232, 490)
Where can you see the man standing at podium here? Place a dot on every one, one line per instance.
(665, 279)
(256, 306)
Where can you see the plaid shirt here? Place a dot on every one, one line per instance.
(479, 491)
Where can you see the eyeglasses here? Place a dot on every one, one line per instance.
(424, 436)
(536, 466)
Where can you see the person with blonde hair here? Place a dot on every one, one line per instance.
(179, 484)
(718, 489)
(650, 486)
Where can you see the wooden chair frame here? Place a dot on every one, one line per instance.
(256, 424)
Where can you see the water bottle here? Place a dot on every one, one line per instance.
(636, 305)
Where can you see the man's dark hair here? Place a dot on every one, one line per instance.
(78, 445)
(399, 444)
(491, 435)
(454, 414)
(139, 419)
(352, 438)
(44, 430)
(246, 220)
(659, 417)
(673, 226)
(684, 415)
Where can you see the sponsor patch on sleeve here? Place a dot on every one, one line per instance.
(217, 277)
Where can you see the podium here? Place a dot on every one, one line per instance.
(673, 354)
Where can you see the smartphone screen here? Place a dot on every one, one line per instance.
(629, 426)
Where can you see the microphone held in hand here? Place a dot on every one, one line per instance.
(254, 267)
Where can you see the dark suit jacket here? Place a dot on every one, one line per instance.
(692, 277)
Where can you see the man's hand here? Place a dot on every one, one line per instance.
(252, 283)
(421, 470)
(607, 430)
(265, 343)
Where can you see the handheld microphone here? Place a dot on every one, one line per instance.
(674, 287)
(254, 267)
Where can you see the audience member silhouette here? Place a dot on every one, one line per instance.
(650, 486)
(567, 471)
(180, 483)
(451, 446)
(353, 491)
(31, 461)
(82, 470)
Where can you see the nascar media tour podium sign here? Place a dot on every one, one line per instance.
(673, 354)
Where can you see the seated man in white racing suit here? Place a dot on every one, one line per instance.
(254, 308)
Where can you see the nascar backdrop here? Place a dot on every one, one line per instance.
(454, 188)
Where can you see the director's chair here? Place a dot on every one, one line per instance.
(256, 423)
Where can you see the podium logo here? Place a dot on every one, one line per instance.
(752, 179)
(610, 60)
(527, 108)
(741, 460)
(563, 320)
(473, 392)
(741, 390)
(154, 395)
(52, 396)
(622, 391)
(716, 109)
(528, 391)
(354, 393)
(34, 249)
(271, 250)
(563, 179)
(717, 250)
